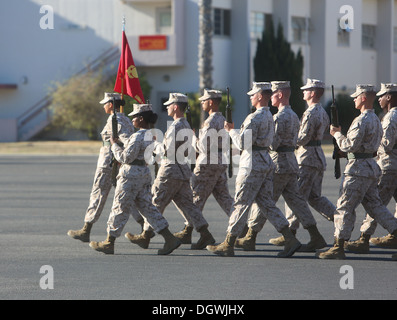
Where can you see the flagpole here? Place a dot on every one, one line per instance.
(122, 79)
(127, 75)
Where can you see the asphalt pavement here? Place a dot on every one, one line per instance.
(42, 197)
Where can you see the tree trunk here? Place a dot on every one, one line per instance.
(205, 47)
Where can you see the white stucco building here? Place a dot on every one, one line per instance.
(163, 35)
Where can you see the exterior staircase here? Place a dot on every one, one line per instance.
(38, 116)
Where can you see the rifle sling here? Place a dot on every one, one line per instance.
(258, 148)
(138, 162)
(285, 149)
(357, 155)
(313, 143)
(108, 144)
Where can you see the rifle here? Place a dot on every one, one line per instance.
(115, 134)
(114, 164)
(229, 120)
(154, 155)
(335, 123)
(189, 120)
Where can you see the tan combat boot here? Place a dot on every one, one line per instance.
(291, 244)
(244, 232)
(106, 246)
(185, 236)
(206, 239)
(142, 239)
(82, 234)
(359, 246)
(280, 241)
(171, 242)
(226, 248)
(389, 241)
(336, 252)
(316, 241)
(248, 242)
(141, 223)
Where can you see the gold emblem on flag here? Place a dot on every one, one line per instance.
(132, 72)
(137, 98)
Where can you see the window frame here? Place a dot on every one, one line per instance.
(257, 29)
(303, 30)
(221, 22)
(395, 39)
(342, 36)
(166, 29)
(368, 39)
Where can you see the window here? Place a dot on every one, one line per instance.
(222, 22)
(368, 36)
(164, 20)
(300, 30)
(395, 39)
(343, 36)
(259, 22)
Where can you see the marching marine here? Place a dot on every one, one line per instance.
(285, 180)
(134, 183)
(209, 175)
(103, 174)
(254, 181)
(173, 178)
(387, 161)
(310, 155)
(361, 175)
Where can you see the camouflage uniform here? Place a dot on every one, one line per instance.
(209, 174)
(103, 175)
(387, 161)
(254, 182)
(285, 180)
(173, 178)
(133, 185)
(312, 163)
(361, 176)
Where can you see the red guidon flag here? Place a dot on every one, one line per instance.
(127, 81)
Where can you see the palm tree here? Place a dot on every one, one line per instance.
(205, 46)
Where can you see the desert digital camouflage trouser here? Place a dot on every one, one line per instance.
(254, 187)
(387, 189)
(287, 186)
(207, 179)
(310, 181)
(165, 190)
(99, 193)
(129, 193)
(356, 190)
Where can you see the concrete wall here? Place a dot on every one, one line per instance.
(33, 58)
(8, 130)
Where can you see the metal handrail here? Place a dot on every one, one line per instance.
(108, 56)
